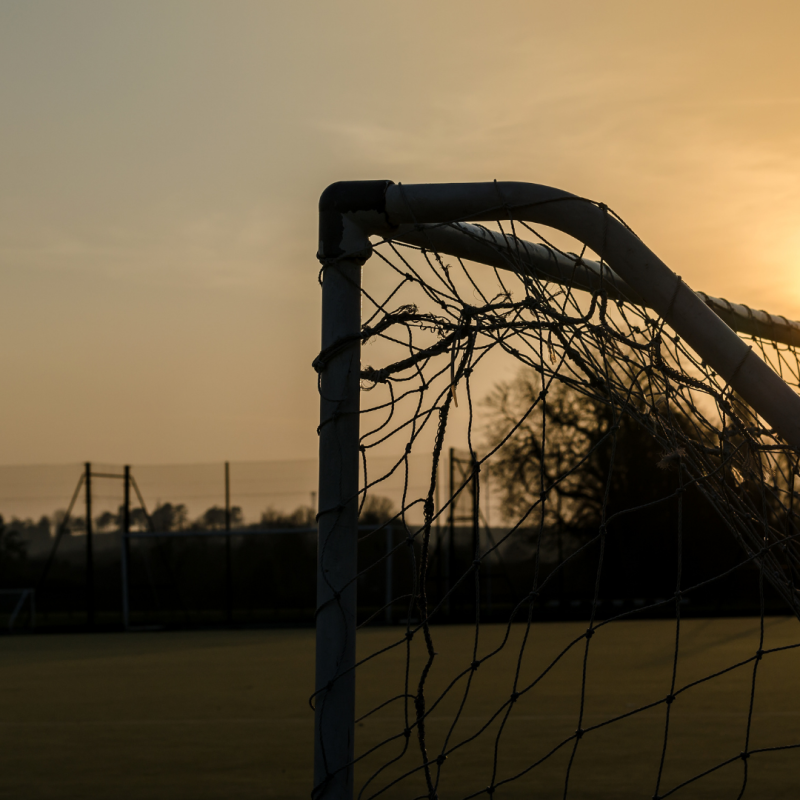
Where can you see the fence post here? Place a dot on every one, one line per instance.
(476, 532)
(389, 574)
(449, 569)
(228, 575)
(439, 550)
(89, 554)
(125, 547)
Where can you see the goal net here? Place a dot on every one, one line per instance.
(617, 617)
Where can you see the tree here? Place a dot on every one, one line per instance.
(107, 520)
(138, 519)
(168, 517)
(12, 548)
(376, 510)
(567, 461)
(556, 450)
(214, 519)
(302, 517)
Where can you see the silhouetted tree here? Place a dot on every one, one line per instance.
(12, 548)
(75, 524)
(302, 517)
(376, 510)
(169, 517)
(108, 520)
(138, 520)
(567, 461)
(213, 519)
(556, 452)
(28, 528)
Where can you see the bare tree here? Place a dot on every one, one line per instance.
(564, 455)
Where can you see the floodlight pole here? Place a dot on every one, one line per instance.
(343, 249)
(450, 563)
(125, 546)
(228, 573)
(476, 530)
(87, 486)
(387, 611)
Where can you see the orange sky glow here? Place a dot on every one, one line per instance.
(162, 162)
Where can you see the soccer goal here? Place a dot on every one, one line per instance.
(642, 440)
(20, 598)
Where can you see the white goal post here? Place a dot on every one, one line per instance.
(441, 217)
(22, 596)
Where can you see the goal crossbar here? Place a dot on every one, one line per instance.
(511, 252)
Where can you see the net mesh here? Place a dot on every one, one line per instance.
(555, 638)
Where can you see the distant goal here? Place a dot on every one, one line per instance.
(19, 608)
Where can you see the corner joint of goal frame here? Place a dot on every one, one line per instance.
(348, 212)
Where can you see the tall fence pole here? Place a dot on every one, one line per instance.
(490, 542)
(476, 532)
(439, 550)
(125, 545)
(387, 612)
(87, 486)
(449, 569)
(228, 571)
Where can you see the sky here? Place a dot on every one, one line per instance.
(162, 161)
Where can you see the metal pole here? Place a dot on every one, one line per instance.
(476, 531)
(451, 532)
(437, 508)
(228, 574)
(489, 541)
(389, 574)
(338, 531)
(125, 547)
(62, 530)
(343, 249)
(89, 553)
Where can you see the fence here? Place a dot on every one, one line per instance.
(216, 544)
(109, 546)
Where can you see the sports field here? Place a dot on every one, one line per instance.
(225, 714)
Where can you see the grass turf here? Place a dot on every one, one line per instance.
(225, 714)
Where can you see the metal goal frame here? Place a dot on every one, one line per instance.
(441, 217)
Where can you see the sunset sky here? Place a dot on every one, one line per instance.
(161, 164)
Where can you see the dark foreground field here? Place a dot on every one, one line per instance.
(225, 714)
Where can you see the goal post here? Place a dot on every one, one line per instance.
(344, 248)
(19, 597)
(440, 219)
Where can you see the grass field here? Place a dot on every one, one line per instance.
(225, 714)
